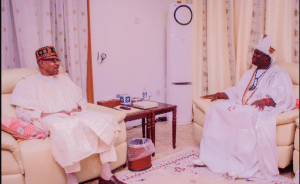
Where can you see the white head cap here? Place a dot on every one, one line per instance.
(265, 45)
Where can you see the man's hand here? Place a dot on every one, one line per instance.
(262, 103)
(63, 111)
(76, 110)
(216, 96)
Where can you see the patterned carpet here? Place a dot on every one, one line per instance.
(183, 173)
(178, 169)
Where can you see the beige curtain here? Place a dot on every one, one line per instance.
(242, 21)
(217, 47)
(279, 24)
(31, 24)
(257, 27)
(198, 47)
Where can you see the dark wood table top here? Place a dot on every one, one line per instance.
(162, 107)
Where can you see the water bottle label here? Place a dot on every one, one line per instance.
(144, 95)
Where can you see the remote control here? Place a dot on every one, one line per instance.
(125, 108)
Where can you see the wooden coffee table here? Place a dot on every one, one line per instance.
(150, 115)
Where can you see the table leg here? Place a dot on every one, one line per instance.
(149, 126)
(174, 128)
(153, 130)
(143, 127)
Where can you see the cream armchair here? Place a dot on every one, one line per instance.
(31, 161)
(285, 122)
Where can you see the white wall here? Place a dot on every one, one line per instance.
(133, 35)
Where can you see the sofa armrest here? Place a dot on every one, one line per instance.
(119, 115)
(205, 104)
(9, 143)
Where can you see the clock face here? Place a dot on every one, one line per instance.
(183, 15)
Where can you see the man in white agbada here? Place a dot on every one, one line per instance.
(239, 136)
(52, 102)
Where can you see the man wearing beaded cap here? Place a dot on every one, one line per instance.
(239, 135)
(54, 103)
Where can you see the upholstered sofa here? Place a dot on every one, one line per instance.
(285, 122)
(296, 148)
(31, 161)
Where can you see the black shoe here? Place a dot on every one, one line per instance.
(113, 180)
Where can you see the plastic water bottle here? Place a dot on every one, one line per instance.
(144, 94)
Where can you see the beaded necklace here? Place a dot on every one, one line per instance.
(253, 86)
(255, 82)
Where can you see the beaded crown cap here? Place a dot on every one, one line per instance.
(265, 45)
(46, 52)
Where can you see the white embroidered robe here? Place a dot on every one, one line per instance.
(240, 138)
(74, 137)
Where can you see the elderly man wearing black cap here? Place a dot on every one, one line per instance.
(54, 103)
(239, 138)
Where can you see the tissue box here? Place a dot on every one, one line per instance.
(125, 99)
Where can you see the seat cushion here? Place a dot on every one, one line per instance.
(6, 108)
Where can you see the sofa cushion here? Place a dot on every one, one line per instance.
(8, 143)
(39, 163)
(9, 164)
(13, 179)
(10, 77)
(20, 129)
(292, 69)
(285, 154)
(6, 108)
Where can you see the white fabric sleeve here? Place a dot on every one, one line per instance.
(27, 115)
(83, 104)
(281, 90)
(81, 101)
(238, 90)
